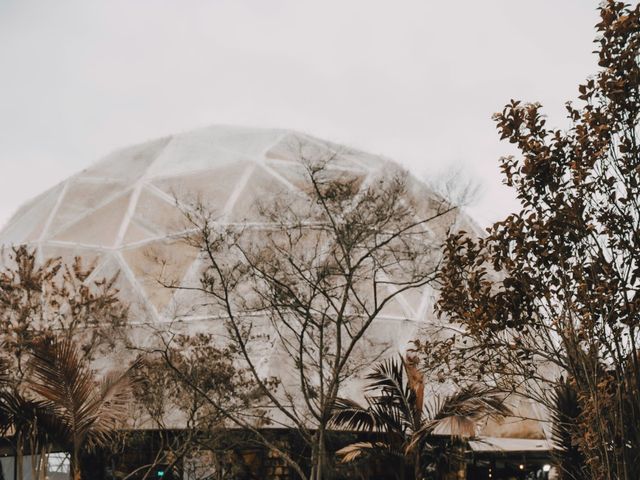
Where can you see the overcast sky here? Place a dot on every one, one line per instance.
(414, 80)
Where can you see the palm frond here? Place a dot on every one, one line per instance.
(60, 376)
(459, 413)
(460, 426)
(110, 407)
(396, 398)
(30, 418)
(353, 416)
(358, 450)
(391, 414)
(82, 410)
(387, 376)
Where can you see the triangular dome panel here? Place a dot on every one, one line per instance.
(80, 197)
(100, 227)
(212, 188)
(29, 223)
(155, 215)
(128, 164)
(158, 266)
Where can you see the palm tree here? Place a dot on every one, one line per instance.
(398, 411)
(82, 412)
(23, 423)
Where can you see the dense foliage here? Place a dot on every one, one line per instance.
(552, 291)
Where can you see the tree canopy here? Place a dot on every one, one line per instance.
(551, 292)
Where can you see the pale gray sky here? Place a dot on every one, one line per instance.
(414, 80)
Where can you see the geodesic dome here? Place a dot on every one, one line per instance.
(122, 214)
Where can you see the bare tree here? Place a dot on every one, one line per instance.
(318, 272)
(456, 185)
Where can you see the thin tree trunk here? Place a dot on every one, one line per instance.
(319, 455)
(18, 465)
(74, 461)
(461, 464)
(417, 467)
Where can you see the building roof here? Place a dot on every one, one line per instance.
(509, 445)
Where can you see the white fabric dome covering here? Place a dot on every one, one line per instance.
(121, 213)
